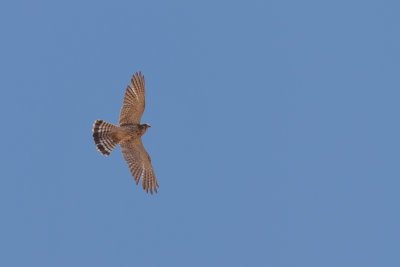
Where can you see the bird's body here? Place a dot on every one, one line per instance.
(128, 134)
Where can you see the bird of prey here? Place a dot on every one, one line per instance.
(129, 135)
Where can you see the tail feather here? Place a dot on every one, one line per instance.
(102, 135)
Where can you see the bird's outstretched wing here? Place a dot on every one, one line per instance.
(134, 101)
(139, 163)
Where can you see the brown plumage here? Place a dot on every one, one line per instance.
(129, 135)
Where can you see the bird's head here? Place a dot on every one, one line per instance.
(145, 126)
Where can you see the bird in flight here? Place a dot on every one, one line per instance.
(129, 135)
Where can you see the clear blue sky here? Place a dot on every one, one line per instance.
(275, 133)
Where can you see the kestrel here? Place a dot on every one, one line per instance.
(129, 135)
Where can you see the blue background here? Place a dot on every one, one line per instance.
(275, 133)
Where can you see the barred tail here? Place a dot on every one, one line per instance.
(102, 135)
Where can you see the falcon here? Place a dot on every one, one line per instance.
(129, 135)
